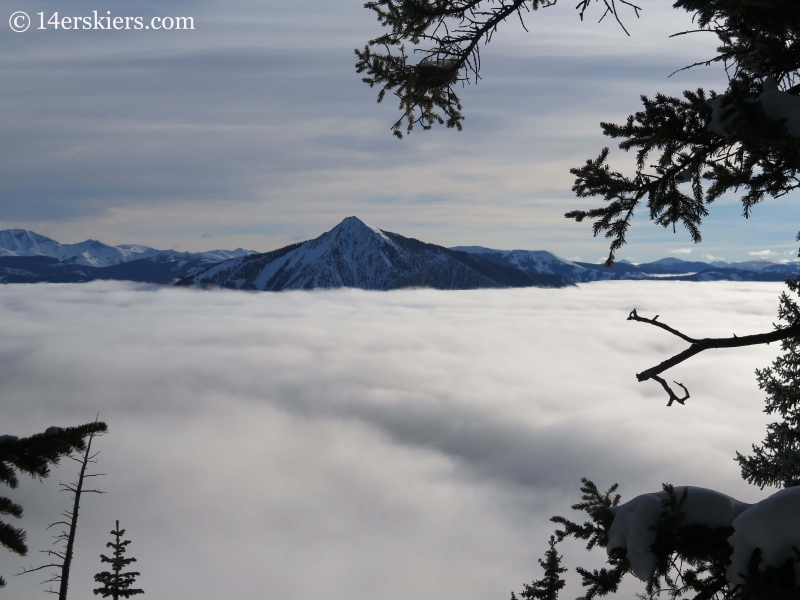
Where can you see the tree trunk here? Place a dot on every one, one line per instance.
(62, 593)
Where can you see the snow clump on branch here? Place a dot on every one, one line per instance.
(778, 106)
(771, 525)
(635, 522)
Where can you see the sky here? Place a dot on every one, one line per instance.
(353, 444)
(253, 130)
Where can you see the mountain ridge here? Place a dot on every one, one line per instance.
(665, 268)
(93, 253)
(352, 254)
(357, 254)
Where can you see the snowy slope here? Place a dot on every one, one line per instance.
(356, 254)
(91, 253)
(21, 242)
(541, 261)
(676, 265)
(767, 266)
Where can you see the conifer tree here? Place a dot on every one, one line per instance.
(777, 462)
(548, 587)
(34, 456)
(116, 583)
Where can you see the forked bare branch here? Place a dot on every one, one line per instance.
(699, 345)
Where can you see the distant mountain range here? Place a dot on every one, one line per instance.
(91, 253)
(27, 257)
(540, 261)
(352, 254)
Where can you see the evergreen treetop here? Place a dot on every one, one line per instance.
(548, 587)
(116, 583)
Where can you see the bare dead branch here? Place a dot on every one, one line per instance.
(698, 346)
(672, 396)
(635, 317)
(65, 524)
(32, 569)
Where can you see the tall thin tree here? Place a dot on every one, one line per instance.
(67, 535)
(116, 583)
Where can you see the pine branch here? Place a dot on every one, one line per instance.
(450, 33)
(7, 507)
(13, 538)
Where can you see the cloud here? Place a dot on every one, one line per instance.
(681, 251)
(256, 123)
(412, 442)
(711, 257)
(763, 253)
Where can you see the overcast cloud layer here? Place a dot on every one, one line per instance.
(351, 444)
(254, 130)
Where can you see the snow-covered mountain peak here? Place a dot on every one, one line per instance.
(349, 241)
(350, 254)
(669, 261)
(357, 254)
(22, 242)
(353, 227)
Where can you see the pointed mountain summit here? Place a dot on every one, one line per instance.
(357, 254)
(21, 242)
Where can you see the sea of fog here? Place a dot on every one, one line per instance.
(351, 445)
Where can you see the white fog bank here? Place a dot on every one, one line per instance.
(356, 445)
